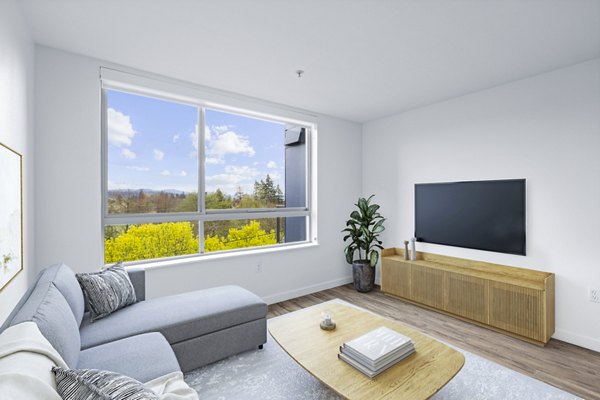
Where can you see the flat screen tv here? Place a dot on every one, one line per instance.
(483, 215)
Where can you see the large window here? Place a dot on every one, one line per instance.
(183, 178)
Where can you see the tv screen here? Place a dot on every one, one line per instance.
(484, 215)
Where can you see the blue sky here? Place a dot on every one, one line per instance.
(152, 144)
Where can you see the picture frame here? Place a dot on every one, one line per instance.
(11, 214)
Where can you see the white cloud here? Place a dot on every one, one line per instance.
(220, 141)
(228, 183)
(194, 139)
(176, 137)
(166, 172)
(242, 170)
(214, 161)
(272, 164)
(222, 128)
(275, 176)
(118, 185)
(158, 154)
(125, 152)
(224, 179)
(120, 130)
(235, 176)
(136, 168)
(229, 143)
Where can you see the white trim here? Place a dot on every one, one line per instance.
(312, 184)
(126, 219)
(197, 258)
(577, 339)
(161, 86)
(292, 294)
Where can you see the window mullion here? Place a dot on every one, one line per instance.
(253, 216)
(201, 177)
(127, 219)
(201, 158)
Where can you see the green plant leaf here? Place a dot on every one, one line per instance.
(372, 209)
(365, 231)
(373, 257)
(362, 205)
(349, 253)
(355, 215)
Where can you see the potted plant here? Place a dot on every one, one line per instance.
(363, 229)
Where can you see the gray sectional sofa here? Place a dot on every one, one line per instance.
(148, 339)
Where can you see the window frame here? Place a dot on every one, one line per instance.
(180, 93)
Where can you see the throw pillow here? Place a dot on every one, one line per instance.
(89, 384)
(107, 291)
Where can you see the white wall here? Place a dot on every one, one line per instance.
(68, 165)
(16, 130)
(545, 129)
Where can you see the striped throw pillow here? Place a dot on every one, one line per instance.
(107, 291)
(90, 384)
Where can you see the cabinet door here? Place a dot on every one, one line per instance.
(467, 296)
(427, 286)
(517, 309)
(395, 278)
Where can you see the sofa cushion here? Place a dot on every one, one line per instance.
(137, 276)
(49, 309)
(89, 384)
(64, 279)
(107, 291)
(178, 317)
(142, 357)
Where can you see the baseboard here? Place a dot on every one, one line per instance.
(577, 339)
(291, 294)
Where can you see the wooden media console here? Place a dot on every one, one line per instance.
(515, 301)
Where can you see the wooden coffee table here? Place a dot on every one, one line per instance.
(419, 376)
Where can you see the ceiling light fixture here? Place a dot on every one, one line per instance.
(299, 72)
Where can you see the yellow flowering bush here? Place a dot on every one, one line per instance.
(147, 241)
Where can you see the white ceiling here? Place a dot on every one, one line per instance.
(364, 59)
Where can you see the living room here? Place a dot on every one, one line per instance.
(393, 94)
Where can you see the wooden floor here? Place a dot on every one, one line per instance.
(571, 368)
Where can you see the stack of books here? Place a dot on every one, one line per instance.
(376, 351)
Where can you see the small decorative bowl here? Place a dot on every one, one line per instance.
(329, 327)
(327, 322)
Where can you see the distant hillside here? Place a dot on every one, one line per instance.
(135, 192)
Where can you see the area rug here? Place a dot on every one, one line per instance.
(270, 374)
